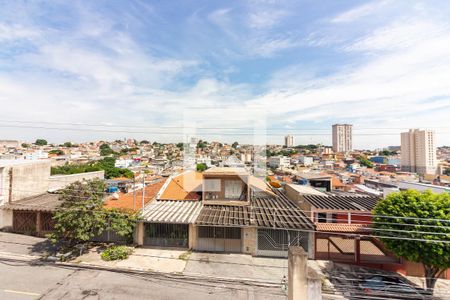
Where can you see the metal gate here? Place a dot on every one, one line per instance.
(219, 239)
(166, 235)
(24, 222)
(276, 242)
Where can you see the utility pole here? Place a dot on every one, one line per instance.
(134, 193)
(143, 192)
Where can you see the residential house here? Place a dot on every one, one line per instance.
(224, 210)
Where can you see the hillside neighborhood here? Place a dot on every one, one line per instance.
(155, 200)
(224, 150)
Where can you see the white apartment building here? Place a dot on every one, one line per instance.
(306, 160)
(289, 141)
(418, 151)
(342, 137)
(279, 162)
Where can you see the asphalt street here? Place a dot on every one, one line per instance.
(27, 280)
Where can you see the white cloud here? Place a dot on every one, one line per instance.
(264, 19)
(16, 32)
(359, 12)
(401, 79)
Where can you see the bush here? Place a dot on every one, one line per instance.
(116, 253)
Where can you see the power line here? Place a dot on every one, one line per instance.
(203, 133)
(193, 127)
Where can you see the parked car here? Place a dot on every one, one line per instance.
(390, 288)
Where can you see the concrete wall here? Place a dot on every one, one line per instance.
(58, 182)
(249, 240)
(6, 219)
(139, 234)
(192, 236)
(28, 179)
(292, 193)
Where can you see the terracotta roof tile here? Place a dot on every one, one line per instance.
(184, 186)
(341, 227)
(126, 201)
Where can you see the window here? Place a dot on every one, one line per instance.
(233, 189)
(212, 185)
(334, 218)
(322, 217)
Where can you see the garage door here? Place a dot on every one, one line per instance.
(166, 235)
(276, 242)
(219, 239)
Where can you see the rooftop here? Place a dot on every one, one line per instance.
(17, 162)
(167, 211)
(128, 201)
(337, 227)
(343, 201)
(43, 202)
(182, 187)
(226, 171)
(306, 190)
(264, 212)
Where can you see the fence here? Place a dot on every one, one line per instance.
(348, 249)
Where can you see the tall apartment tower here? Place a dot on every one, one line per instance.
(418, 151)
(289, 141)
(342, 137)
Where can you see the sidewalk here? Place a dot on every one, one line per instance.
(142, 259)
(23, 244)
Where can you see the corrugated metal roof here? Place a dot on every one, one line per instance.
(276, 212)
(224, 215)
(168, 211)
(343, 201)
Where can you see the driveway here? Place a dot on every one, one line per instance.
(237, 266)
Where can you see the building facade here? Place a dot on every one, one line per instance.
(342, 137)
(279, 162)
(289, 141)
(418, 151)
(224, 210)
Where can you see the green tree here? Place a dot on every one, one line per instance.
(40, 142)
(180, 146)
(68, 144)
(201, 167)
(202, 144)
(56, 151)
(447, 171)
(25, 145)
(144, 142)
(105, 150)
(234, 145)
(365, 162)
(413, 217)
(107, 164)
(82, 215)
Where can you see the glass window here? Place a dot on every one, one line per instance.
(322, 217)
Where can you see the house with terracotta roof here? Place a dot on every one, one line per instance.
(343, 229)
(224, 210)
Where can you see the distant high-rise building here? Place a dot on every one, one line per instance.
(289, 141)
(342, 137)
(418, 151)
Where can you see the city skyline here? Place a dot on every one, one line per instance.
(380, 65)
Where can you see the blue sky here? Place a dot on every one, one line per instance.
(156, 69)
